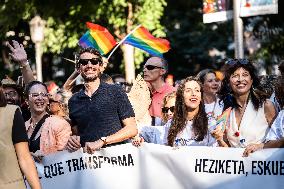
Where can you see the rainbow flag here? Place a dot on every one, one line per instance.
(143, 39)
(97, 37)
(224, 118)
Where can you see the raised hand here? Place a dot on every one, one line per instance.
(18, 53)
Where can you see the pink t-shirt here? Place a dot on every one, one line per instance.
(155, 109)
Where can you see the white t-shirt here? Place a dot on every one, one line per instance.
(214, 108)
(187, 138)
(277, 128)
(159, 135)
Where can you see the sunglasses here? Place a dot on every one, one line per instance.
(93, 61)
(166, 109)
(36, 95)
(235, 61)
(151, 67)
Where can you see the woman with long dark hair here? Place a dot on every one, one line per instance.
(190, 123)
(251, 114)
(15, 158)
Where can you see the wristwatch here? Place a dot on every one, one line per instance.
(104, 139)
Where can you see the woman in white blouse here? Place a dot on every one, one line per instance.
(251, 113)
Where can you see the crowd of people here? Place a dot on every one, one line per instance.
(99, 113)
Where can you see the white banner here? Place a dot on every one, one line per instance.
(217, 10)
(258, 7)
(155, 166)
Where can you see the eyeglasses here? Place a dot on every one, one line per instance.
(11, 94)
(152, 67)
(166, 109)
(93, 61)
(36, 95)
(235, 61)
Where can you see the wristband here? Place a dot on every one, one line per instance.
(24, 65)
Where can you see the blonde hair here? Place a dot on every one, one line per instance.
(165, 100)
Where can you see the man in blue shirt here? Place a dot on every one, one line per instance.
(101, 113)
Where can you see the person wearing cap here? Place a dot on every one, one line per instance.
(154, 71)
(14, 95)
(12, 91)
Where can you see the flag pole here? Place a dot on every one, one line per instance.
(73, 61)
(123, 41)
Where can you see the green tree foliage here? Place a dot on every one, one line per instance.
(191, 39)
(66, 19)
(269, 30)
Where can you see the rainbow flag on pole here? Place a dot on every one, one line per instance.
(97, 37)
(143, 39)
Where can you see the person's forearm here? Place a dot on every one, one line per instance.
(27, 72)
(222, 143)
(274, 144)
(125, 133)
(27, 164)
(69, 82)
(28, 168)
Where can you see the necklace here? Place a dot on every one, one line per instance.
(32, 125)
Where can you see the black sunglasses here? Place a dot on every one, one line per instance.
(166, 109)
(93, 61)
(235, 61)
(151, 67)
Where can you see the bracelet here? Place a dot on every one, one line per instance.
(24, 65)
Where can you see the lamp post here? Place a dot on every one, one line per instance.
(37, 34)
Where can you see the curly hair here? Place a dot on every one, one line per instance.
(89, 50)
(165, 101)
(200, 120)
(256, 95)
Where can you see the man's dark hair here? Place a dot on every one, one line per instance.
(89, 50)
